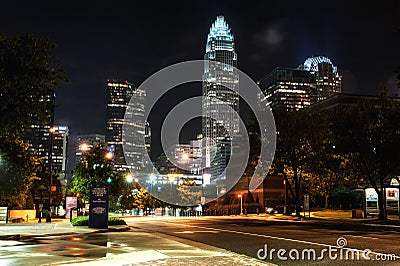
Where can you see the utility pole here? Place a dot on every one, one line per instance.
(51, 131)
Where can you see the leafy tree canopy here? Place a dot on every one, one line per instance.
(28, 71)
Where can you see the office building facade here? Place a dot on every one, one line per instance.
(119, 95)
(220, 91)
(287, 89)
(291, 89)
(328, 82)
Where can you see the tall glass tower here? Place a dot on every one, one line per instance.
(220, 91)
(119, 94)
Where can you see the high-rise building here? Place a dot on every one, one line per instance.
(39, 134)
(59, 149)
(59, 135)
(147, 137)
(220, 90)
(119, 95)
(125, 108)
(181, 159)
(86, 142)
(328, 80)
(287, 89)
(292, 89)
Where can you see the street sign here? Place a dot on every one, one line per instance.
(306, 202)
(98, 207)
(70, 202)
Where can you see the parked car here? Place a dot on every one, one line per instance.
(270, 210)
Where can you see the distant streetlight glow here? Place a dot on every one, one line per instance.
(129, 178)
(84, 147)
(109, 155)
(185, 156)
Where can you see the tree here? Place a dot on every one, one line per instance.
(28, 71)
(370, 134)
(143, 200)
(95, 169)
(187, 192)
(18, 170)
(299, 142)
(330, 171)
(41, 186)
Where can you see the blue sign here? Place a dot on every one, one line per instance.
(98, 208)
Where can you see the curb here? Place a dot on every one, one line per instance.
(31, 236)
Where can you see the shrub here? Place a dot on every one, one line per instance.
(80, 221)
(84, 221)
(115, 221)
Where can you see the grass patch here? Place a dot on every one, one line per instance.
(333, 213)
(115, 221)
(84, 221)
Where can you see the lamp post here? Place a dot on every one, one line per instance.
(51, 132)
(240, 196)
(109, 157)
(285, 187)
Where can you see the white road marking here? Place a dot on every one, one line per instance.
(272, 237)
(193, 232)
(366, 237)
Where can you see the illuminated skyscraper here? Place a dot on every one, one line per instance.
(59, 149)
(220, 89)
(287, 88)
(294, 88)
(39, 135)
(328, 80)
(119, 94)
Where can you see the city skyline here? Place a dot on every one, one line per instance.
(362, 44)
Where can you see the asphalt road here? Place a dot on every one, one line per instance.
(284, 243)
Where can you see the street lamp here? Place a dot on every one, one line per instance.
(84, 147)
(285, 187)
(129, 178)
(240, 196)
(109, 155)
(52, 130)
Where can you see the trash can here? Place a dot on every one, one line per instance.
(73, 214)
(356, 213)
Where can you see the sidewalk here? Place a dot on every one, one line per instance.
(175, 251)
(19, 231)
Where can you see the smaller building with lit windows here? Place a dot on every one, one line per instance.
(287, 88)
(294, 88)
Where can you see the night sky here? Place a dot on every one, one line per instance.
(130, 40)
